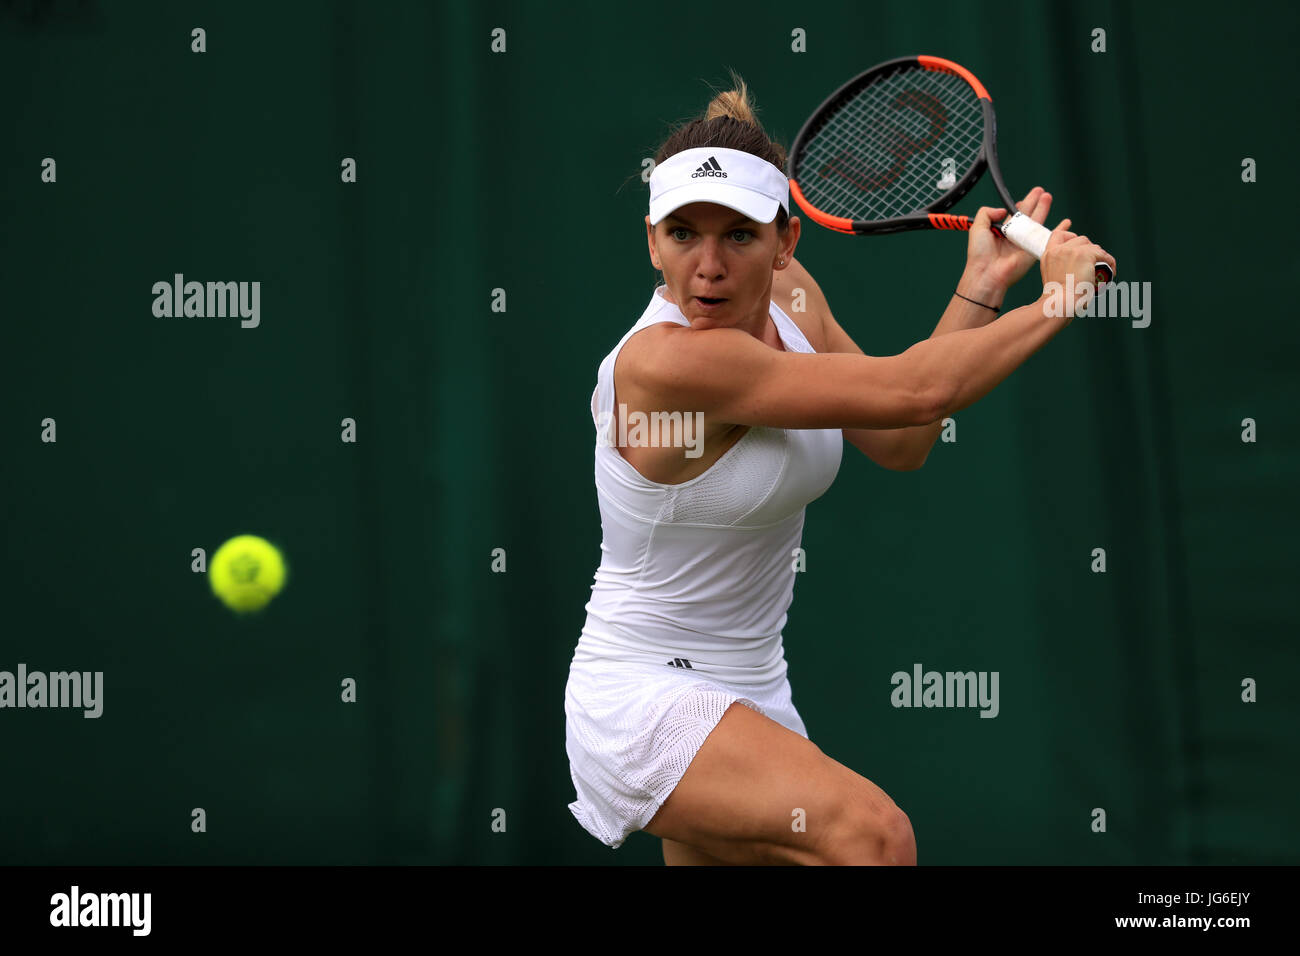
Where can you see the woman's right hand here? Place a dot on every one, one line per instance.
(1069, 266)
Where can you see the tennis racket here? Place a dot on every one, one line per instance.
(896, 147)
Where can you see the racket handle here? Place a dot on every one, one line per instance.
(1032, 237)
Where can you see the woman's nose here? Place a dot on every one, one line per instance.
(710, 262)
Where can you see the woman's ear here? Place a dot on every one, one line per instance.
(791, 238)
(650, 241)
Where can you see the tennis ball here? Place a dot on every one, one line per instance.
(246, 572)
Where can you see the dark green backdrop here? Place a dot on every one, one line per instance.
(519, 171)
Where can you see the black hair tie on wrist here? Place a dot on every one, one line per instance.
(973, 302)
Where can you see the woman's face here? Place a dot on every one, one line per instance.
(711, 252)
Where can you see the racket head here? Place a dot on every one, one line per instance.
(871, 158)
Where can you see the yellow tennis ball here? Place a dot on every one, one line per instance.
(246, 572)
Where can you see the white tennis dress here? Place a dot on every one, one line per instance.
(688, 604)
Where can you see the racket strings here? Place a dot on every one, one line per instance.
(881, 154)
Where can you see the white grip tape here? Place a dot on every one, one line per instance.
(1027, 234)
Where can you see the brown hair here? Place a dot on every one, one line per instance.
(728, 123)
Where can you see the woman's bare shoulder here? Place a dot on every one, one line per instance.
(799, 297)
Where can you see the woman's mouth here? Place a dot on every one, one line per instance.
(709, 303)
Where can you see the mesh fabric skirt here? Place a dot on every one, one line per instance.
(631, 730)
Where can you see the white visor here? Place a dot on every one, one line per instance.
(728, 177)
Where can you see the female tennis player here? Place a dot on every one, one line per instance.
(680, 720)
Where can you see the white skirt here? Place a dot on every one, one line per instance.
(631, 730)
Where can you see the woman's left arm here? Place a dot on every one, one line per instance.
(993, 265)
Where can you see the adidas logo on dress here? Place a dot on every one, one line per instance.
(680, 662)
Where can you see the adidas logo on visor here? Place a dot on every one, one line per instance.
(710, 168)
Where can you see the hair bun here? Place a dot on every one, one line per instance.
(733, 103)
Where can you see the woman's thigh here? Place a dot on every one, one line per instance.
(679, 854)
(758, 793)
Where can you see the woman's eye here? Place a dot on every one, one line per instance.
(681, 234)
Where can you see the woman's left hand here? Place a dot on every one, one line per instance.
(992, 258)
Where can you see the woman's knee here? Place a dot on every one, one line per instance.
(869, 832)
(899, 846)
